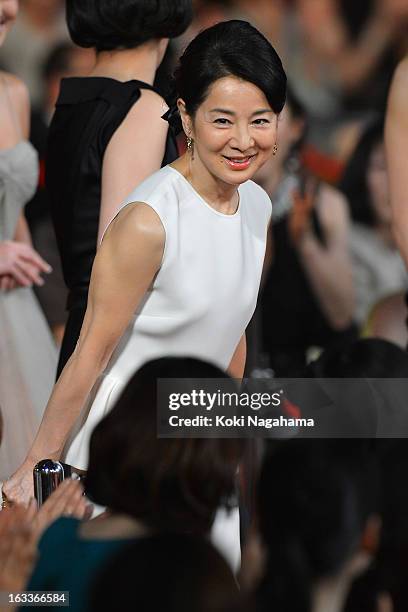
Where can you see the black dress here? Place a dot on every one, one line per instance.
(88, 112)
(292, 320)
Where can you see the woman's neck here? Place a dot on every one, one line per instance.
(127, 64)
(221, 196)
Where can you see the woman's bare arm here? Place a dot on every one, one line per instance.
(134, 152)
(236, 367)
(328, 266)
(396, 142)
(127, 261)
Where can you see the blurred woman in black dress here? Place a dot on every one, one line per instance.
(101, 143)
(308, 298)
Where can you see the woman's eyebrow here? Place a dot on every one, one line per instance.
(224, 111)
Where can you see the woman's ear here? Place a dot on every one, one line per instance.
(185, 118)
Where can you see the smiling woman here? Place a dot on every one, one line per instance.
(179, 267)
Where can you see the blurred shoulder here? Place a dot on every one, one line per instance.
(401, 73)
(16, 89)
(150, 105)
(60, 531)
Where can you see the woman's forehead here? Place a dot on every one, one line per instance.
(231, 93)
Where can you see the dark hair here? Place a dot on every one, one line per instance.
(230, 48)
(176, 573)
(314, 499)
(354, 181)
(169, 484)
(107, 25)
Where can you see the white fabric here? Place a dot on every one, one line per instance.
(202, 298)
(28, 356)
(378, 269)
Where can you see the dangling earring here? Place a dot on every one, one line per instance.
(275, 149)
(190, 146)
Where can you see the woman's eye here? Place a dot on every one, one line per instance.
(222, 121)
(261, 121)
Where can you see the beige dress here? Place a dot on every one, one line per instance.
(28, 356)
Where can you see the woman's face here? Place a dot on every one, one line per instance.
(377, 182)
(8, 14)
(234, 130)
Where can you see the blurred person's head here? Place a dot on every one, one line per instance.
(167, 484)
(176, 573)
(107, 26)
(365, 179)
(64, 60)
(291, 131)
(316, 502)
(8, 15)
(231, 87)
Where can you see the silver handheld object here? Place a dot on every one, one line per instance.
(48, 474)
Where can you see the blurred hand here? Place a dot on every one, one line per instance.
(22, 263)
(67, 500)
(7, 283)
(18, 546)
(300, 216)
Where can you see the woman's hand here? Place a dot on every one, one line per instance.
(18, 547)
(19, 489)
(67, 500)
(22, 263)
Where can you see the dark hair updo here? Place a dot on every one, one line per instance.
(230, 48)
(109, 24)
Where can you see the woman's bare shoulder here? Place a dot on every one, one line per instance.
(136, 221)
(399, 85)
(16, 88)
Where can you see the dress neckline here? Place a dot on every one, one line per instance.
(234, 215)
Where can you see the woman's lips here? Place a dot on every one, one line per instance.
(239, 163)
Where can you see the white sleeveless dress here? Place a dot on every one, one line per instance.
(28, 355)
(203, 296)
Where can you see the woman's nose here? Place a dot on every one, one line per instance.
(242, 138)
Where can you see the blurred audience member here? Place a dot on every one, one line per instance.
(176, 573)
(27, 352)
(387, 320)
(317, 522)
(308, 295)
(396, 138)
(39, 27)
(388, 572)
(148, 484)
(64, 60)
(339, 55)
(378, 267)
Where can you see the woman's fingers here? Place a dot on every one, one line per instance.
(30, 271)
(67, 500)
(28, 254)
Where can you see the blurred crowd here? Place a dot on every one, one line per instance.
(332, 252)
(328, 534)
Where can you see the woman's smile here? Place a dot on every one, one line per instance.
(239, 163)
